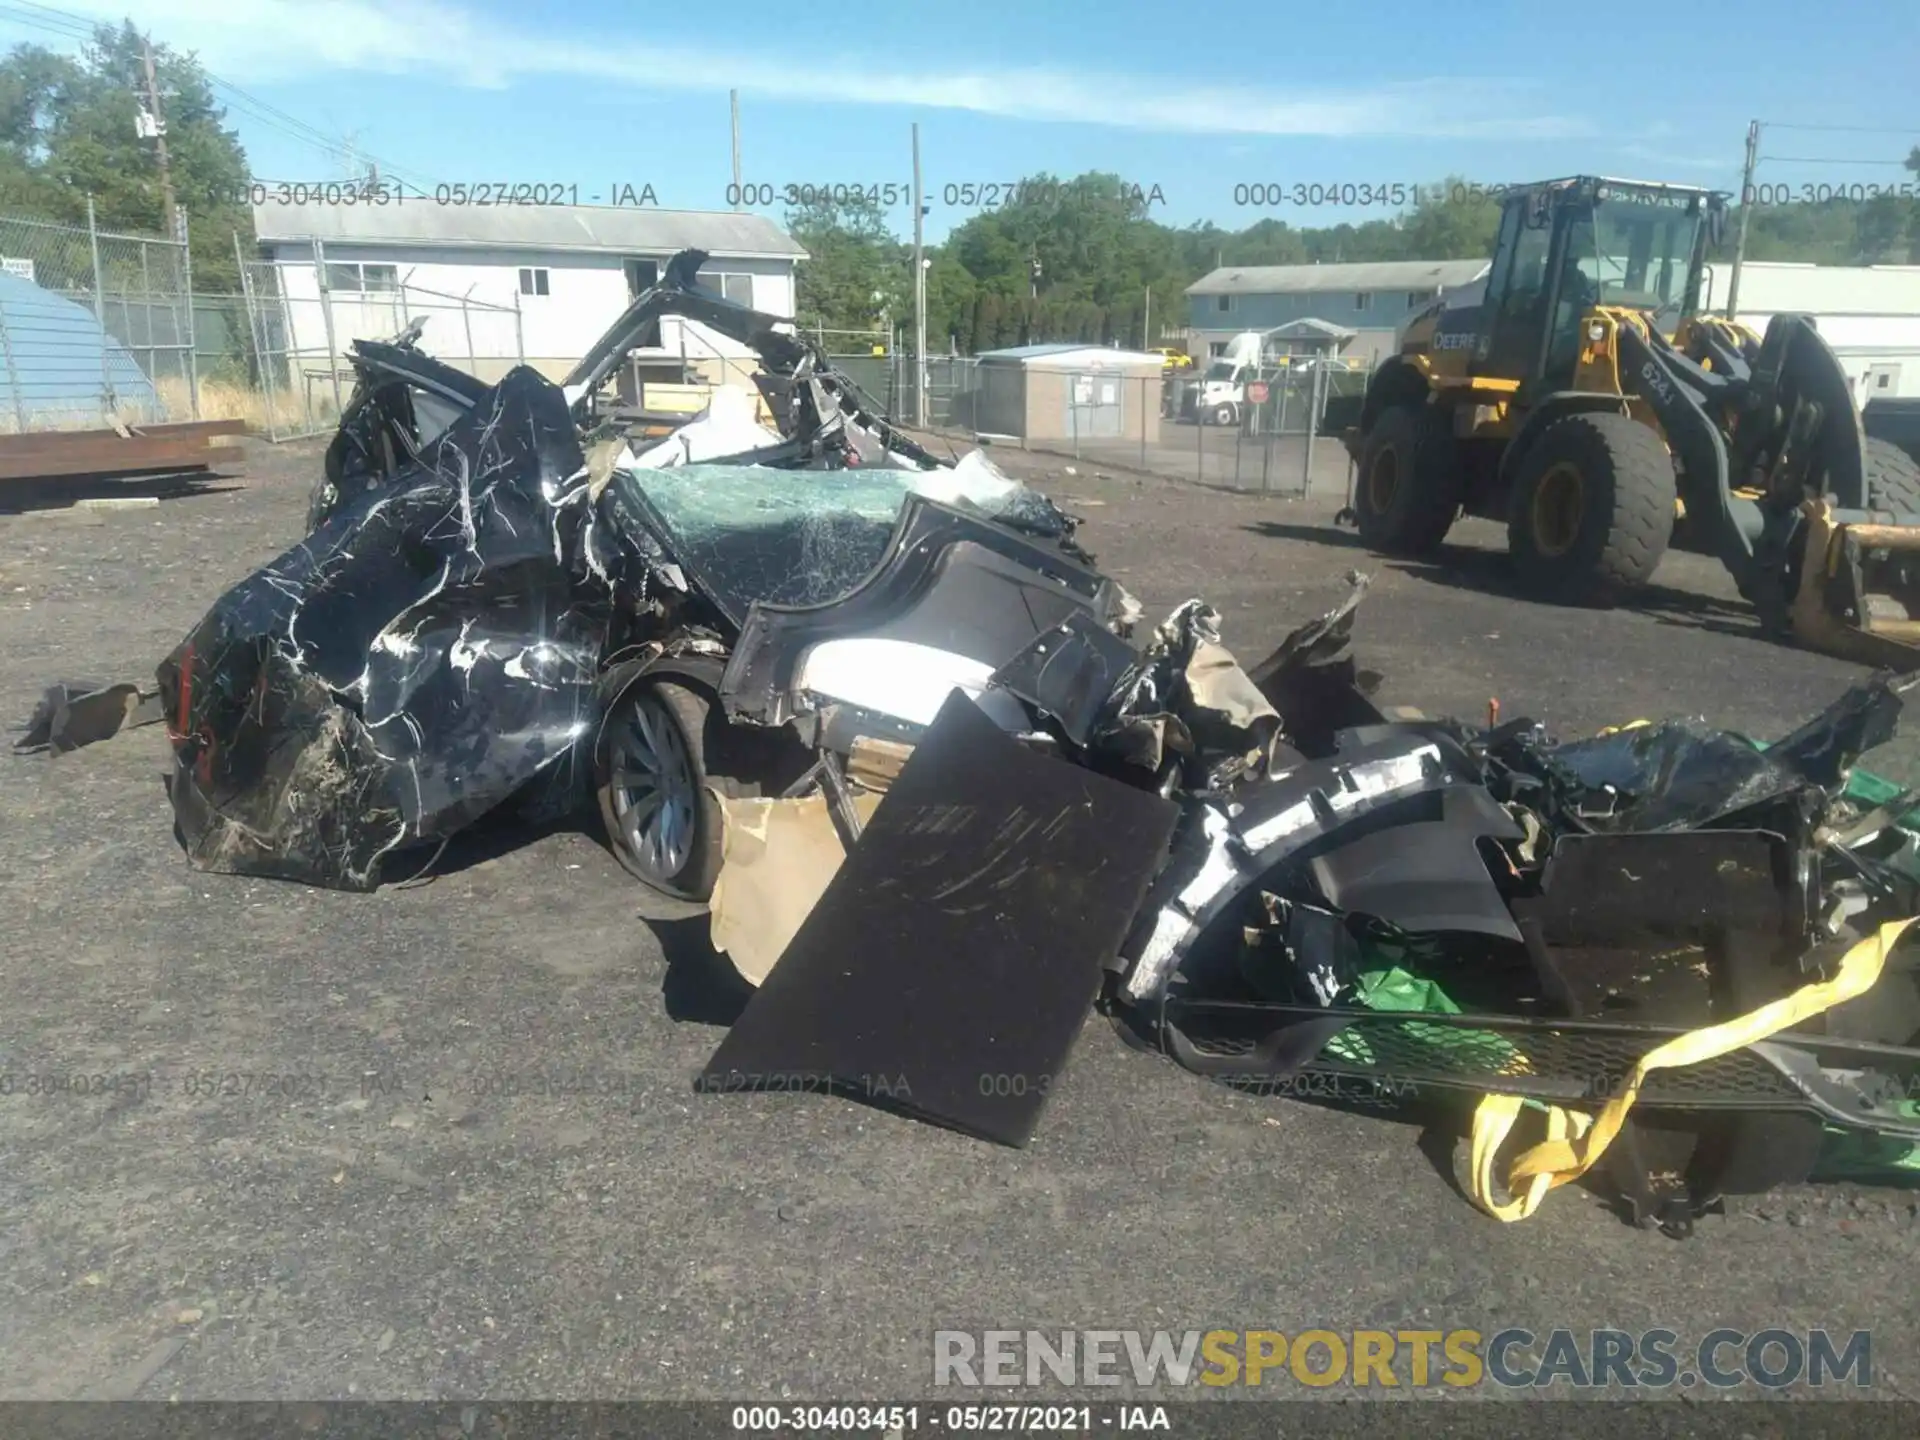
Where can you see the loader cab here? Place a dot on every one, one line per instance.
(1567, 246)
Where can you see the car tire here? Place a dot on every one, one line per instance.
(663, 824)
(1592, 507)
(1411, 480)
(1223, 414)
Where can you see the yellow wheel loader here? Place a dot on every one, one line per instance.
(1582, 397)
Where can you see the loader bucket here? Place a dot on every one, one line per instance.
(1800, 442)
(1859, 591)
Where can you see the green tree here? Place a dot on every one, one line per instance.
(951, 293)
(856, 275)
(1450, 222)
(68, 131)
(1110, 272)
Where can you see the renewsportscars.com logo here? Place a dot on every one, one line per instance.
(1514, 1358)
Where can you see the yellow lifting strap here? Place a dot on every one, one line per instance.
(1576, 1141)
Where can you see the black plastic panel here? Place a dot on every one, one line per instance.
(949, 967)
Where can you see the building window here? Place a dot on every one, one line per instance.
(737, 288)
(1223, 303)
(1216, 348)
(533, 281)
(1363, 301)
(1417, 298)
(357, 279)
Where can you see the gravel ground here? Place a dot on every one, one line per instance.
(388, 1197)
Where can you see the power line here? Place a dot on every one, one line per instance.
(1912, 131)
(77, 27)
(1829, 160)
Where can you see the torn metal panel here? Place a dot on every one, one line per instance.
(1314, 684)
(948, 581)
(1827, 746)
(1221, 692)
(1070, 673)
(1670, 776)
(777, 859)
(75, 713)
(411, 665)
(954, 957)
(1277, 820)
(1185, 710)
(1427, 876)
(403, 401)
(1324, 637)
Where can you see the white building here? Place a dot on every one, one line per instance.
(503, 282)
(1352, 311)
(1869, 314)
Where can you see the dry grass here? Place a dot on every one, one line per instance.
(285, 410)
(222, 400)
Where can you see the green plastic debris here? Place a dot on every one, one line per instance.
(1390, 986)
(1868, 1157)
(1867, 790)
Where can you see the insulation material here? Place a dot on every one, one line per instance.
(874, 763)
(725, 427)
(777, 859)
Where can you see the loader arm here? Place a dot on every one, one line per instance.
(1678, 391)
(1777, 420)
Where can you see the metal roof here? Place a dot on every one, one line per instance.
(1027, 352)
(1311, 329)
(60, 368)
(1310, 279)
(1770, 286)
(622, 229)
(1068, 354)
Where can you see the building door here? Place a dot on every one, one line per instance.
(642, 276)
(1093, 407)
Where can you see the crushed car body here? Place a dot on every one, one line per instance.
(862, 701)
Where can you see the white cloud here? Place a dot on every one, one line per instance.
(267, 40)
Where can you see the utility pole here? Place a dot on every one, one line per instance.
(1146, 322)
(1746, 214)
(160, 136)
(919, 292)
(733, 98)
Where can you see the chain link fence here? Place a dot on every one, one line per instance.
(1269, 436)
(303, 315)
(96, 328)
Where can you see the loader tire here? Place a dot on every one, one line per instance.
(1893, 479)
(1592, 508)
(1411, 480)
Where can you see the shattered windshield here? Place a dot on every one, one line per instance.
(789, 537)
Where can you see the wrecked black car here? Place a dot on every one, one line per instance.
(942, 791)
(483, 612)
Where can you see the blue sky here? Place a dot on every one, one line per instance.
(598, 93)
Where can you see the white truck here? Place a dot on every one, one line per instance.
(1217, 394)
